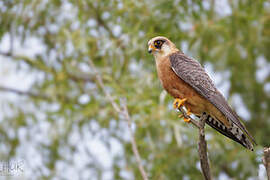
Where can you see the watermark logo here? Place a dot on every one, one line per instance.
(11, 167)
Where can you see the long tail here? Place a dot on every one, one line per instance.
(233, 132)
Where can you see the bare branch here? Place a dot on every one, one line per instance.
(203, 149)
(266, 160)
(123, 111)
(133, 141)
(202, 145)
(194, 122)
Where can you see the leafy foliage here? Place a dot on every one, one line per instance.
(67, 118)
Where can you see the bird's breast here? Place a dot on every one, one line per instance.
(170, 81)
(177, 88)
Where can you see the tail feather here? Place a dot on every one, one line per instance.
(233, 132)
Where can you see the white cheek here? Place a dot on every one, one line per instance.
(165, 50)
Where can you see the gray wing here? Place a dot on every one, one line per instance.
(193, 73)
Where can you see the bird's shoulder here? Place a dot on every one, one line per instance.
(191, 71)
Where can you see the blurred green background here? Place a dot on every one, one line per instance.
(55, 117)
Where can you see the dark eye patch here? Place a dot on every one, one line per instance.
(158, 44)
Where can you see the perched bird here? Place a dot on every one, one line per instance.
(187, 81)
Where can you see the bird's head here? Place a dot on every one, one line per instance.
(161, 46)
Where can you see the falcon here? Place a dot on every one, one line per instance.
(186, 80)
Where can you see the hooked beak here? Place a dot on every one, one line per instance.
(151, 48)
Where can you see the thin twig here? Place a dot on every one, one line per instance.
(133, 141)
(123, 111)
(266, 160)
(202, 145)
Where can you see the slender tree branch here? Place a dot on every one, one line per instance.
(122, 111)
(133, 141)
(192, 121)
(202, 145)
(203, 149)
(266, 160)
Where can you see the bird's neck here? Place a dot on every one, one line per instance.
(165, 52)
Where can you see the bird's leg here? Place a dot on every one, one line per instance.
(187, 119)
(178, 102)
(181, 115)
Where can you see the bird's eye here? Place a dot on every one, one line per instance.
(158, 44)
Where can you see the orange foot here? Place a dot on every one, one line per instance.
(188, 119)
(178, 102)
